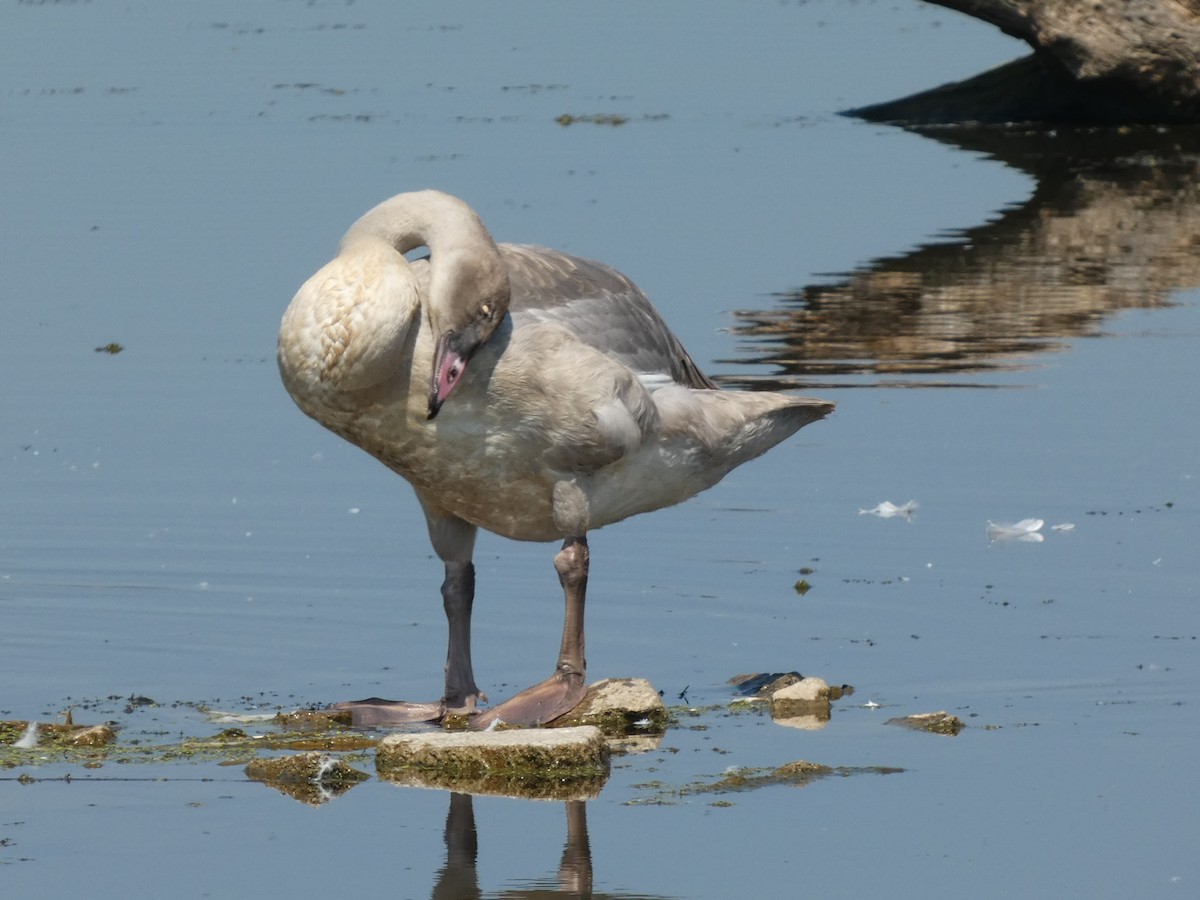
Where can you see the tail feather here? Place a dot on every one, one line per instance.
(736, 426)
(806, 410)
(782, 417)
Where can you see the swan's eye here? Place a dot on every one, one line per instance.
(486, 309)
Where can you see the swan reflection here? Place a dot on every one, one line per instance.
(458, 879)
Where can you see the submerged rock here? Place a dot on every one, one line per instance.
(93, 736)
(935, 722)
(27, 735)
(802, 704)
(538, 762)
(802, 770)
(618, 707)
(763, 684)
(311, 778)
(806, 690)
(304, 768)
(799, 773)
(313, 719)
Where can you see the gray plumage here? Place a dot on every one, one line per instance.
(518, 389)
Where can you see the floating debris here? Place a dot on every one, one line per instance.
(762, 685)
(226, 718)
(29, 739)
(112, 348)
(1025, 530)
(889, 510)
(765, 685)
(1065, 526)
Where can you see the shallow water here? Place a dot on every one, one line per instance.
(174, 529)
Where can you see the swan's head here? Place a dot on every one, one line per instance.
(469, 297)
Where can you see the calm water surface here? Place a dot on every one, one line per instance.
(1009, 332)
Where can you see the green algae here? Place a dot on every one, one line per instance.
(620, 708)
(614, 120)
(311, 778)
(95, 745)
(599, 119)
(563, 764)
(799, 773)
(935, 723)
(255, 740)
(55, 736)
(305, 768)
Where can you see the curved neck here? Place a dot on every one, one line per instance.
(423, 219)
(466, 271)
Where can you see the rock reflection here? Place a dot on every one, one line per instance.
(1113, 224)
(459, 878)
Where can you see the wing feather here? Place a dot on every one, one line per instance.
(600, 307)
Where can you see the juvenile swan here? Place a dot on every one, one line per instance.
(517, 389)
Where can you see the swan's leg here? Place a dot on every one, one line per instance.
(459, 877)
(575, 869)
(458, 596)
(454, 541)
(562, 691)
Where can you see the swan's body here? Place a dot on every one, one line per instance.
(518, 389)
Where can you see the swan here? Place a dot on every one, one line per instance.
(518, 389)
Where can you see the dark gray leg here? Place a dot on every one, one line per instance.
(454, 542)
(458, 596)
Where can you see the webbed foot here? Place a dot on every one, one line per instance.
(542, 703)
(375, 711)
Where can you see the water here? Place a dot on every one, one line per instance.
(175, 529)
